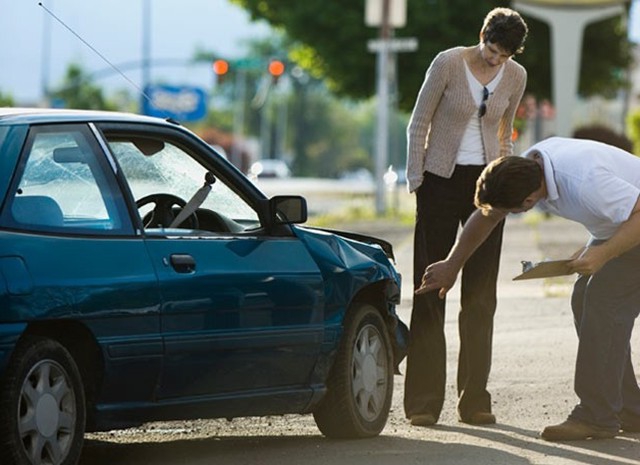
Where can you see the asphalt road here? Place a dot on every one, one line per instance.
(531, 384)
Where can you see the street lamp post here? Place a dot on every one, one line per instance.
(146, 51)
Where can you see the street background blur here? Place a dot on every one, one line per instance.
(322, 88)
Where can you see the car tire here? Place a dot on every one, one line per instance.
(360, 384)
(42, 406)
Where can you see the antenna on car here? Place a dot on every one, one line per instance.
(94, 50)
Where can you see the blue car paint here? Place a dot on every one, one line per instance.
(11, 140)
(254, 312)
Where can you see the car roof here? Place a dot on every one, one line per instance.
(17, 115)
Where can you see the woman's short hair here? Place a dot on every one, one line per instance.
(505, 27)
(507, 182)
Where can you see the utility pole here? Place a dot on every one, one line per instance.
(146, 51)
(385, 14)
(46, 58)
(382, 127)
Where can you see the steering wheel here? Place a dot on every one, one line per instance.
(166, 208)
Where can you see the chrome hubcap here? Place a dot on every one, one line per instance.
(369, 373)
(47, 414)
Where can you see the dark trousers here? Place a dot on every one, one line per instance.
(443, 205)
(605, 306)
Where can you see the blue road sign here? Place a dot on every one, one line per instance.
(182, 103)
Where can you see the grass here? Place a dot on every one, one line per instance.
(360, 214)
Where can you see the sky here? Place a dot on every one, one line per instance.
(36, 49)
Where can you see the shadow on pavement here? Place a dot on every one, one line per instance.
(383, 450)
(617, 451)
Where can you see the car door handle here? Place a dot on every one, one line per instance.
(183, 263)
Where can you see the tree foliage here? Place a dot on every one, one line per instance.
(6, 100)
(331, 42)
(79, 91)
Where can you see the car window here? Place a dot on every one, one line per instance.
(65, 184)
(155, 167)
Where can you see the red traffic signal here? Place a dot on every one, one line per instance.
(220, 67)
(276, 68)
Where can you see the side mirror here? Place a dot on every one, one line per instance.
(288, 209)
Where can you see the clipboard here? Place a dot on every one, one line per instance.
(544, 269)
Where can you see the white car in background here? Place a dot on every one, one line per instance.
(270, 168)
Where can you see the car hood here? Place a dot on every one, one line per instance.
(385, 245)
(351, 251)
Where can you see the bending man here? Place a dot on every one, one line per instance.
(598, 186)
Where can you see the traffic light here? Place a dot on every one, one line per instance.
(276, 69)
(220, 68)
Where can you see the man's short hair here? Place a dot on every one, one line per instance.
(507, 182)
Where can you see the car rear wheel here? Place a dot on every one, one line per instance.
(360, 383)
(42, 409)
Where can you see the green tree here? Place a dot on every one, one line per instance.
(331, 42)
(633, 130)
(78, 91)
(6, 100)
(328, 133)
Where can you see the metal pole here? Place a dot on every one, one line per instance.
(238, 118)
(146, 50)
(382, 135)
(46, 57)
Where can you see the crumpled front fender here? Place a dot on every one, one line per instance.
(350, 270)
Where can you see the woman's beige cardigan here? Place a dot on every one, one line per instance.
(442, 111)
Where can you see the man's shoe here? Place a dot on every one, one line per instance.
(629, 424)
(423, 419)
(479, 418)
(573, 430)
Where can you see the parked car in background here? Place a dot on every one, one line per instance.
(143, 277)
(270, 168)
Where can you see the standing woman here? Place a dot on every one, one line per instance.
(462, 120)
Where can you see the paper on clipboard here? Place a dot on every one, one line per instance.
(544, 269)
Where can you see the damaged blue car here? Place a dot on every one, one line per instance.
(143, 278)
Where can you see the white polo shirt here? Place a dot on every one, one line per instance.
(589, 182)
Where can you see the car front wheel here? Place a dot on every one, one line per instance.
(42, 409)
(360, 383)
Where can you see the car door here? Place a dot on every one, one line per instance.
(242, 310)
(69, 252)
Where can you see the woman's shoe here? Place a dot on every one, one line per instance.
(479, 418)
(423, 419)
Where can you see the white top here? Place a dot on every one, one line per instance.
(471, 150)
(589, 182)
